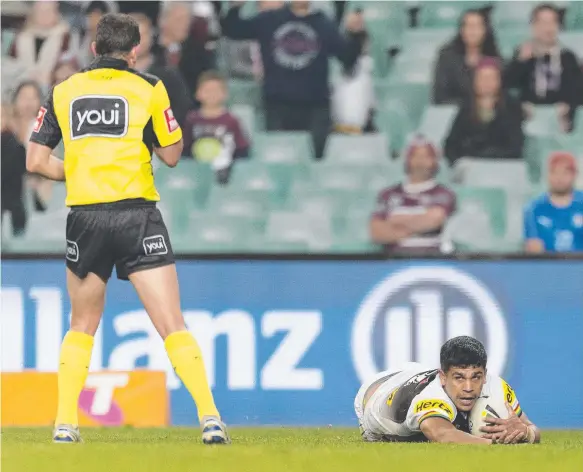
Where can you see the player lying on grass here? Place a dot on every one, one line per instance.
(415, 404)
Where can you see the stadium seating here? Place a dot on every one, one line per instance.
(439, 14)
(436, 122)
(365, 149)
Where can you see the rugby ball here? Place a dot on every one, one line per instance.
(491, 405)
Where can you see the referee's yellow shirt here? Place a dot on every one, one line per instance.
(109, 117)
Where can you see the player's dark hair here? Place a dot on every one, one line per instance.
(462, 351)
(117, 33)
(211, 76)
(542, 7)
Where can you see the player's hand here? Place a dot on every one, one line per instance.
(505, 431)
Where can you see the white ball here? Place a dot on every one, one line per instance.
(493, 405)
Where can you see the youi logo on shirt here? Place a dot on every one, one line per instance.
(99, 116)
(412, 312)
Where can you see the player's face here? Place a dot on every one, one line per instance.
(421, 163)
(463, 385)
(212, 93)
(545, 27)
(27, 103)
(561, 178)
(487, 81)
(473, 30)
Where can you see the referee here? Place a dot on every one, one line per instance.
(110, 119)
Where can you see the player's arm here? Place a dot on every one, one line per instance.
(385, 232)
(45, 136)
(434, 218)
(440, 430)
(168, 143)
(533, 244)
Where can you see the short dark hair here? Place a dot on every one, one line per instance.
(211, 76)
(462, 351)
(117, 33)
(542, 7)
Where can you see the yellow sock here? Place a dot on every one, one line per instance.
(186, 359)
(73, 367)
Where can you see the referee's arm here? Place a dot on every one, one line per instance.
(168, 134)
(46, 134)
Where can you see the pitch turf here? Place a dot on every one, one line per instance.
(275, 450)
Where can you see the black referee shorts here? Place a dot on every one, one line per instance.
(130, 235)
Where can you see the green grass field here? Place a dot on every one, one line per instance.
(275, 450)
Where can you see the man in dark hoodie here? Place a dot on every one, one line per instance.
(296, 43)
(545, 72)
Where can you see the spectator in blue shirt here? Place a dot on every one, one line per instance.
(554, 221)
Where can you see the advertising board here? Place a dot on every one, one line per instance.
(289, 342)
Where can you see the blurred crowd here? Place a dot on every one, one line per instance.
(286, 47)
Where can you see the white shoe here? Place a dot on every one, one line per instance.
(66, 434)
(214, 431)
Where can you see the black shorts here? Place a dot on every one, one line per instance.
(130, 235)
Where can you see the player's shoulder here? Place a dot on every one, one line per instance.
(538, 202)
(433, 400)
(387, 192)
(150, 78)
(578, 197)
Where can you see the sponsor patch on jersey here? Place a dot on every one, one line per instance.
(105, 116)
(72, 251)
(438, 406)
(40, 117)
(171, 122)
(155, 245)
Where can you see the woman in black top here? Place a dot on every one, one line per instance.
(490, 123)
(457, 60)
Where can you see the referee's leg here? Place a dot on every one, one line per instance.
(159, 292)
(87, 300)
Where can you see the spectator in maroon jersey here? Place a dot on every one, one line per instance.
(212, 134)
(42, 42)
(184, 41)
(410, 216)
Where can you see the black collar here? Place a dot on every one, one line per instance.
(106, 62)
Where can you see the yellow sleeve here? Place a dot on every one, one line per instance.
(166, 128)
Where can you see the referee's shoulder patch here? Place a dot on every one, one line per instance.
(151, 79)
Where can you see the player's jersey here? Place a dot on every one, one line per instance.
(560, 229)
(392, 406)
(109, 118)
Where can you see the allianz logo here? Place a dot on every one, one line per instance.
(412, 312)
(285, 369)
